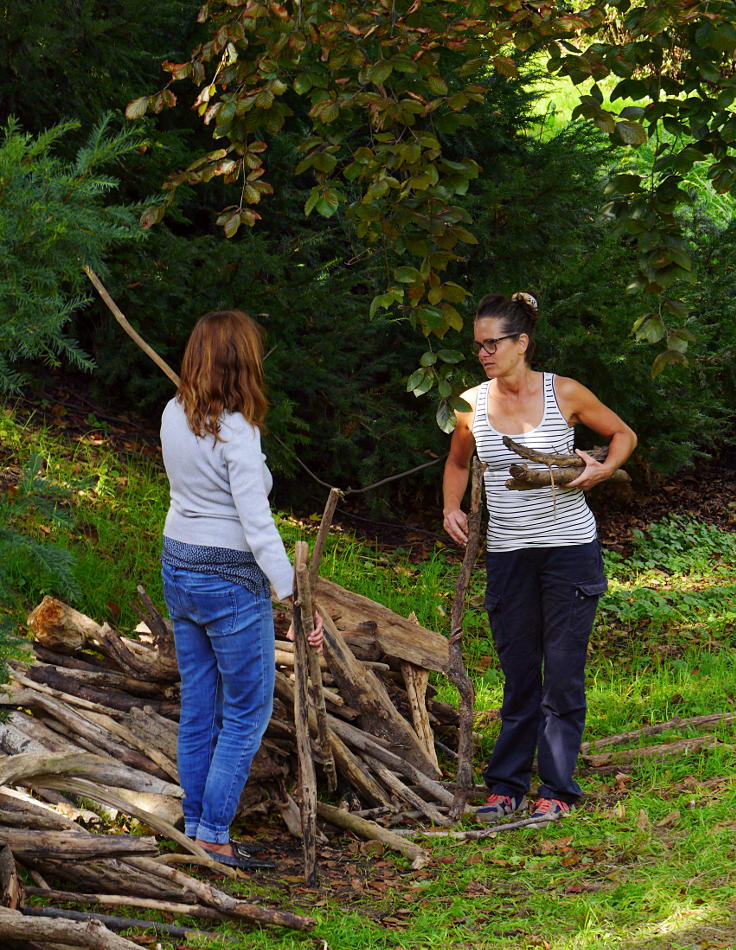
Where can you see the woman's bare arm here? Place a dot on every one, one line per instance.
(455, 479)
(579, 405)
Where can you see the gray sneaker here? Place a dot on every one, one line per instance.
(498, 807)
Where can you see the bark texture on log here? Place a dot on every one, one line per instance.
(374, 832)
(599, 453)
(307, 775)
(92, 933)
(366, 692)
(395, 635)
(11, 890)
(524, 478)
(416, 681)
(73, 844)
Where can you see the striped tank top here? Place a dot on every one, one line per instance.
(538, 517)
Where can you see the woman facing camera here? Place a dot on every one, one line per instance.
(543, 563)
(221, 555)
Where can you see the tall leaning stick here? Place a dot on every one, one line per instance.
(133, 334)
(456, 665)
(307, 776)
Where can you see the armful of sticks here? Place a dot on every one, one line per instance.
(560, 471)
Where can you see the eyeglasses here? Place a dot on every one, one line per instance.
(490, 346)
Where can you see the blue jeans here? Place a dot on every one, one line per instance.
(541, 605)
(225, 650)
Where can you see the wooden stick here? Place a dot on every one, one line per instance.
(307, 777)
(323, 531)
(713, 720)
(74, 845)
(365, 692)
(394, 783)
(108, 796)
(471, 835)
(315, 675)
(627, 756)
(416, 680)
(154, 754)
(306, 586)
(222, 901)
(369, 829)
(350, 766)
(545, 458)
(126, 923)
(120, 317)
(527, 479)
(70, 680)
(456, 665)
(367, 743)
(17, 769)
(126, 900)
(11, 889)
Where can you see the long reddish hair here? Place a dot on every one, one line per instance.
(222, 370)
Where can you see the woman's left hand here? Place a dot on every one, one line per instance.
(315, 639)
(593, 473)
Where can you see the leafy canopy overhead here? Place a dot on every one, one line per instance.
(379, 88)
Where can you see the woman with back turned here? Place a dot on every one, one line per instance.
(221, 554)
(544, 566)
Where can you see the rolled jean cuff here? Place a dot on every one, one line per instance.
(212, 835)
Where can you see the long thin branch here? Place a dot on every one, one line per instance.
(456, 665)
(546, 458)
(125, 923)
(711, 721)
(133, 334)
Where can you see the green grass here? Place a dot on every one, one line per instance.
(647, 861)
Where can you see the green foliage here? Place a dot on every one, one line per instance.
(31, 566)
(335, 376)
(338, 375)
(61, 59)
(376, 90)
(681, 545)
(55, 217)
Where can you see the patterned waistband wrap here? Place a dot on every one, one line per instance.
(238, 567)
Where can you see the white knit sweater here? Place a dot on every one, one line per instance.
(219, 492)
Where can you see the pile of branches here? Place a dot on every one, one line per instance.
(92, 717)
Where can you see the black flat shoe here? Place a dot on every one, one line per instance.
(240, 859)
(246, 848)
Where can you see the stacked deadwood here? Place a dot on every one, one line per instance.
(93, 716)
(92, 724)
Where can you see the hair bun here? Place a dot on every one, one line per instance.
(529, 299)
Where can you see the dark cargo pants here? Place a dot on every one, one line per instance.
(541, 604)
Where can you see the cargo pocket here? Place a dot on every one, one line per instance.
(585, 604)
(591, 589)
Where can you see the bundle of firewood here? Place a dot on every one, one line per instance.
(560, 470)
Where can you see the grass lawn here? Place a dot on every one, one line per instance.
(648, 859)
